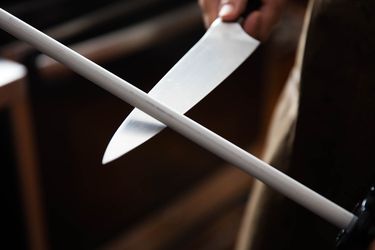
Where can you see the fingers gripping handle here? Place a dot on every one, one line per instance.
(227, 8)
(251, 6)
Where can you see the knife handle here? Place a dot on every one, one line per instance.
(251, 6)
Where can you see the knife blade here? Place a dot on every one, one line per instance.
(213, 58)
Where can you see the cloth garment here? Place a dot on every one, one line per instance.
(325, 137)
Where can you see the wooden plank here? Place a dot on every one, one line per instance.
(165, 226)
(219, 233)
(13, 96)
(128, 40)
(18, 50)
(27, 168)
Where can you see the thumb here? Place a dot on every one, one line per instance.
(231, 10)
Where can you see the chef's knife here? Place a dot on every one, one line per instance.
(213, 58)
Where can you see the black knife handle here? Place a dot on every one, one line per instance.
(251, 6)
(360, 234)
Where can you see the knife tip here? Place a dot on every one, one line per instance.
(128, 137)
(106, 159)
(109, 156)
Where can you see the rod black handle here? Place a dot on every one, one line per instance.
(361, 232)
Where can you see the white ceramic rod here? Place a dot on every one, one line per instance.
(207, 139)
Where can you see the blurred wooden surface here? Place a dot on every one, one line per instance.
(166, 227)
(14, 98)
(129, 40)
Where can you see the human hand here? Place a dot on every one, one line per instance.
(258, 23)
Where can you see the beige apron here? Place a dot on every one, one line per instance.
(278, 146)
